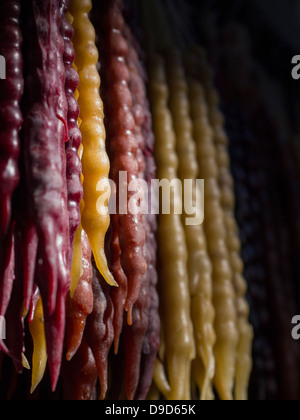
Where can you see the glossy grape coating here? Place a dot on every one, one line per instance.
(99, 332)
(80, 380)
(81, 305)
(45, 133)
(95, 163)
(74, 168)
(147, 171)
(134, 335)
(11, 90)
(11, 119)
(119, 294)
(122, 144)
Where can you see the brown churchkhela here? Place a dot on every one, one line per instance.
(134, 335)
(99, 332)
(122, 144)
(147, 169)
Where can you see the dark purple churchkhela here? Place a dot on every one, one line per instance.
(45, 134)
(11, 90)
(74, 167)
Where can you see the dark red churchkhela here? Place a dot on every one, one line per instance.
(45, 133)
(11, 90)
(74, 168)
(99, 333)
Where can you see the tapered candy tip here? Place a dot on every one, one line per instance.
(110, 280)
(101, 264)
(25, 363)
(54, 373)
(103, 393)
(3, 347)
(128, 309)
(102, 374)
(116, 345)
(130, 392)
(71, 353)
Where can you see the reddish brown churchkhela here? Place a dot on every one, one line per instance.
(74, 167)
(147, 338)
(81, 375)
(11, 90)
(134, 334)
(99, 333)
(45, 133)
(152, 337)
(119, 294)
(122, 144)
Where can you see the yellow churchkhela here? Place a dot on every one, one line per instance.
(95, 162)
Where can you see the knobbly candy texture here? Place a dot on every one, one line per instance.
(174, 284)
(74, 168)
(122, 144)
(11, 90)
(45, 133)
(199, 264)
(95, 162)
(81, 305)
(80, 380)
(135, 334)
(244, 358)
(147, 171)
(99, 332)
(249, 211)
(223, 290)
(257, 153)
(152, 337)
(119, 294)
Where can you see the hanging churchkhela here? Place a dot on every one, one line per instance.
(110, 303)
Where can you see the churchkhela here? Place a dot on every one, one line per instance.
(103, 304)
